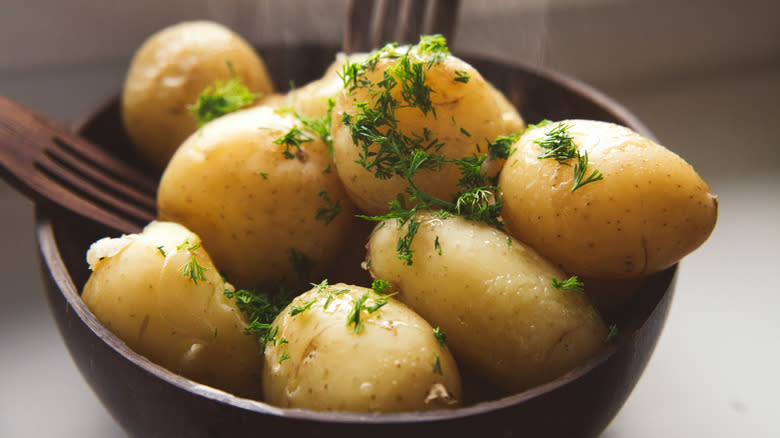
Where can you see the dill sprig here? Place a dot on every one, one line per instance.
(292, 140)
(388, 152)
(193, 270)
(222, 98)
(264, 303)
(354, 315)
(440, 336)
(330, 210)
(572, 284)
(559, 145)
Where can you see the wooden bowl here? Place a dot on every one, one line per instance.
(148, 400)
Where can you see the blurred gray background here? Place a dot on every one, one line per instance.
(704, 75)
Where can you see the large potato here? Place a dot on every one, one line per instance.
(650, 209)
(160, 293)
(170, 70)
(253, 201)
(494, 298)
(389, 362)
(465, 114)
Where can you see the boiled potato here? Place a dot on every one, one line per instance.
(169, 71)
(160, 293)
(513, 121)
(650, 209)
(494, 298)
(389, 361)
(311, 100)
(254, 202)
(464, 115)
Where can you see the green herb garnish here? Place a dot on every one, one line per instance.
(330, 210)
(300, 308)
(194, 270)
(440, 336)
(613, 332)
(462, 76)
(386, 151)
(293, 139)
(354, 315)
(437, 365)
(573, 284)
(222, 98)
(559, 145)
(379, 286)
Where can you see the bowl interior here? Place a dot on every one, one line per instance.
(595, 390)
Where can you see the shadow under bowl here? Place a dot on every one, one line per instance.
(148, 400)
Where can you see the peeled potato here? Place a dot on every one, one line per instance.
(147, 290)
(466, 113)
(494, 298)
(169, 71)
(253, 205)
(390, 361)
(650, 209)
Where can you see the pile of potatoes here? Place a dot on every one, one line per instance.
(264, 192)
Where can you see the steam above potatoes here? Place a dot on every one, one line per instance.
(472, 276)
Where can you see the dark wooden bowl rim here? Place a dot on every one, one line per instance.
(47, 215)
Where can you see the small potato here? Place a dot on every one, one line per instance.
(513, 121)
(650, 209)
(254, 202)
(465, 114)
(160, 293)
(311, 100)
(169, 71)
(494, 298)
(389, 361)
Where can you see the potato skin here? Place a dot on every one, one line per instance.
(250, 204)
(649, 211)
(493, 297)
(168, 72)
(189, 327)
(311, 99)
(467, 117)
(388, 367)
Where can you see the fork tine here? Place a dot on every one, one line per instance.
(441, 17)
(411, 26)
(90, 193)
(359, 20)
(386, 22)
(371, 23)
(109, 164)
(68, 157)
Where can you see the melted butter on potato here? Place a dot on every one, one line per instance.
(146, 289)
(252, 205)
(650, 209)
(466, 113)
(321, 361)
(169, 71)
(494, 298)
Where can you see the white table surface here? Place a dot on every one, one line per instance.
(715, 370)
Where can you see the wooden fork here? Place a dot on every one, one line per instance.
(371, 24)
(48, 162)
